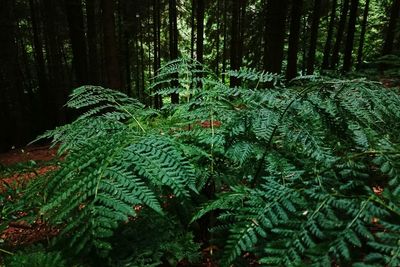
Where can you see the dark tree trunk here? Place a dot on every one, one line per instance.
(200, 30)
(113, 73)
(235, 39)
(57, 79)
(274, 35)
(347, 61)
(362, 35)
(224, 45)
(295, 22)
(157, 46)
(328, 43)
(39, 59)
(192, 28)
(173, 42)
(314, 36)
(92, 40)
(391, 29)
(78, 40)
(11, 90)
(218, 41)
(339, 34)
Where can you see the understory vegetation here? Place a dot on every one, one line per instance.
(303, 175)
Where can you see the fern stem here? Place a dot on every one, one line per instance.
(363, 206)
(6, 252)
(130, 114)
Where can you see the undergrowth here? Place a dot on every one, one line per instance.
(292, 176)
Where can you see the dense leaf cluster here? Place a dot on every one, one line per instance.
(296, 171)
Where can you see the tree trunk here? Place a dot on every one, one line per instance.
(391, 29)
(295, 22)
(339, 34)
(173, 43)
(274, 35)
(347, 61)
(11, 90)
(57, 80)
(39, 61)
(362, 35)
(192, 28)
(200, 30)
(113, 73)
(328, 43)
(235, 39)
(78, 40)
(224, 44)
(92, 40)
(157, 46)
(314, 36)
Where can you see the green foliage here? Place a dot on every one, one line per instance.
(294, 170)
(35, 259)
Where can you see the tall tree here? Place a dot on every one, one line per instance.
(347, 61)
(56, 67)
(235, 40)
(92, 40)
(274, 34)
(314, 36)
(11, 91)
(39, 57)
(113, 72)
(157, 45)
(78, 40)
(328, 43)
(362, 35)
(173, 42)
(339, 34)
(295, 22)
(391, 29)
(200, 30)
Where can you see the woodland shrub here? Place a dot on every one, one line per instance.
(301, 176)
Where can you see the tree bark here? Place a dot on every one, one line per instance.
(78, 40)
(274, 35)
(173, 43)
(295, 22)
(314, 36)
(200, 30)
(339, 34)
(113, 72)
(92, 40)
(347, 61)
(11, 89)
(328, 43)
(362, 35)
(391, 29)
(157, 46)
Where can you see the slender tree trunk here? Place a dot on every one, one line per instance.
(274, 35)
(295, 22)
(113, 72)
(192, 29)
(218, 41)
(173, 43)
(347, 61)
(314, 36)
(362, 35)
(157, 46)
(224, 45)
(391, 29)
(92, 40)
(78, 40)
(200, 30)
(328, 43)
(339, 35)
(235, 36)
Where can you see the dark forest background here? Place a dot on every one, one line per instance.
(49, 47)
